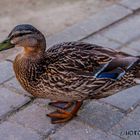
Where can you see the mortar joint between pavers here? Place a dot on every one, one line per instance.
(133, 107)
(6, 116)
(119, 109)
(9, 60)
(136, 11)
(17, 91)
(125, 6)
(7, 80)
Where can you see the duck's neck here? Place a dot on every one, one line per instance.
(26, 67)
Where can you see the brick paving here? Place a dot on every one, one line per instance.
(115, 118)
(6, 71)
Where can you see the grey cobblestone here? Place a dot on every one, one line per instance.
(91, 25)
(125, 30)
(125, 99)
(13, 131)
(100, 115)
(34, 116)
(81, 131)
(6, 71)
(102, 41)
(135, 45)
(10, 101)
(129, 127)
(9, 53)
(130, 51)
(16, 50)
(15, 86)
(131, 4)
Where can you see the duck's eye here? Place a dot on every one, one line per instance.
(19, 34)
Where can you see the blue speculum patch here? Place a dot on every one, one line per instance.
(114, 74)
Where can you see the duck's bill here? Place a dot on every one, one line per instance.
(4, 45)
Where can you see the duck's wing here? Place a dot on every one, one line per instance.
(86, 68)
(90, 60)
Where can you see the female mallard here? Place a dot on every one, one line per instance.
(70, 71)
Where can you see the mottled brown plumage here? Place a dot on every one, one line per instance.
(70, 71)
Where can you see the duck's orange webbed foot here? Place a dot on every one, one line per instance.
(61, 104)
(61, 116)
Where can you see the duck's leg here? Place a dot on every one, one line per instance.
(61, 104)
(61, 116)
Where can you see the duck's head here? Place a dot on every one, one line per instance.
(26, 36)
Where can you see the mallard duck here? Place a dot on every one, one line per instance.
(69, 72)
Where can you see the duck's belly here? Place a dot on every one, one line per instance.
(56, 95)
(41, 91)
